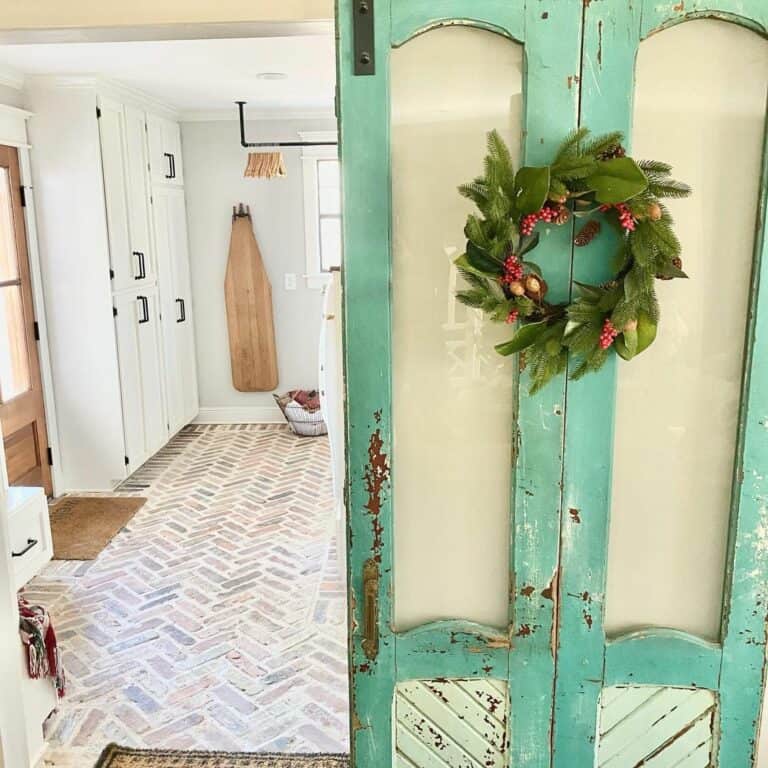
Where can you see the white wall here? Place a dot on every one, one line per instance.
(214, 163)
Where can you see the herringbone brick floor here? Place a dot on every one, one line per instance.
(216, 620)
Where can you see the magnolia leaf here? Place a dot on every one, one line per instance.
(462, 262)
(528, 244)
(525, 336)
(482, 261)
(531, 189)
(621, 348)
(646, 332)
(571, 326)
(630, 337)
(590, 291)
(533, 267)
(617, 180)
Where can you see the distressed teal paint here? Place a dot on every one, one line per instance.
(606, 98)
(412, 17)
(663, 657)
(744, 620)
(658, 15)
(453, 649)
(552, 51)
(366, 274)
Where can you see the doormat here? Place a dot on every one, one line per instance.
(115, 756)
(82, 526)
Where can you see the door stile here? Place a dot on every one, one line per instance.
(552, 88)
(363, 111)
(607, 76)
(746, 585)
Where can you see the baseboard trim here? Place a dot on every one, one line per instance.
(247, 414)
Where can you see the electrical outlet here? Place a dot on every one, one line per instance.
(290, 281)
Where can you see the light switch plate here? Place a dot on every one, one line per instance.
(290, 281)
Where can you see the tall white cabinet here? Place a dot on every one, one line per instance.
(108, 175)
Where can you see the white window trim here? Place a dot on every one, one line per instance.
(315, 277)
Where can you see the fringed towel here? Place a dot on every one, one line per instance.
(37, 634)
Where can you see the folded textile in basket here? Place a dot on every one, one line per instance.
(309, 401)
(43, 658)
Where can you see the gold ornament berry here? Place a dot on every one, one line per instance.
(654, 212)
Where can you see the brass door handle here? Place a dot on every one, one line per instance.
(370, 609)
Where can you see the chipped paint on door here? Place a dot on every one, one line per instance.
(656, 726)
(461, 723)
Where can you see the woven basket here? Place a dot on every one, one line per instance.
(303, 422)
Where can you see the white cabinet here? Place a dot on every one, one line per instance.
(175, 295)
(137, 326)
(165, 151)
(113, 238)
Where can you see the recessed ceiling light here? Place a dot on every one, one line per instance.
(271, 76)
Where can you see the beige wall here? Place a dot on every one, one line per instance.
(21, 14)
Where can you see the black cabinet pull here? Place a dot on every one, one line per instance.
(182, 311)
(144, 309)
(142, 266)
(173, 166)
(30, 543)
(171, 170)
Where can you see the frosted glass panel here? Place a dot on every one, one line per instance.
(452, 394)
(699, 104)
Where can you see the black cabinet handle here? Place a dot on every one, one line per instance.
(142, 266)
(173, 166)
(30, 543)
(144, 309)
(171, 170)
(182, 311)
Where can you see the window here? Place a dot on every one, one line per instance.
(322, 208)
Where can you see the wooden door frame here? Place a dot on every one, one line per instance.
(13, 133)
(446, 648)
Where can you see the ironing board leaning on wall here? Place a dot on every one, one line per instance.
(248, 296)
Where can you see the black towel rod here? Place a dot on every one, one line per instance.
(243, 142)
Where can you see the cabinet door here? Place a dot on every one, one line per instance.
(164, 150)
(124, 264)
(178, 337)
(138, 343)
(138, 191)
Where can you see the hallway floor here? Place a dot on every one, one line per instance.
(216, 619)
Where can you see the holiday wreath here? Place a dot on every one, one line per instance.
(589, 178)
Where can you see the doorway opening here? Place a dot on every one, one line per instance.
(209, 612)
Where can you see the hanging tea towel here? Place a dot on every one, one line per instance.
(36, 630)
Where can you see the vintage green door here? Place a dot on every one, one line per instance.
(480, 553)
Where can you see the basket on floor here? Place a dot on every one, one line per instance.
(303, 421)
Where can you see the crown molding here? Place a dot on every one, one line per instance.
(11, 78)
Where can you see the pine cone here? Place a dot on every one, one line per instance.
(587, 233)
(563, 214)
(676, 262)
(612, 152)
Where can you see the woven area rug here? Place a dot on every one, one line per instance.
(122, 757)
(83, 525)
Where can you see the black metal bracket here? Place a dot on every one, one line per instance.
(244, 143)
(364, 37)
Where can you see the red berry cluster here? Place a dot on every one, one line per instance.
(626, 219)
(609, 333)
(512, 316)
(513, 270)
(529, 222)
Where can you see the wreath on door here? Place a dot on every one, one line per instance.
(590, 178)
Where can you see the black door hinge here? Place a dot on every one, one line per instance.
(23, 196)
(364, 42)
(50, 456)
(127, 460)
(114, 311)
(36, 330)
(111, 274)
(98, 112)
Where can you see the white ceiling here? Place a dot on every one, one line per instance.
(198, 75)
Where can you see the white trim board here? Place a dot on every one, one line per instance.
(243, 414)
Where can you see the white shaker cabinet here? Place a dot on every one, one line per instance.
(165, 161)
(114, 262)
(170, 225)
